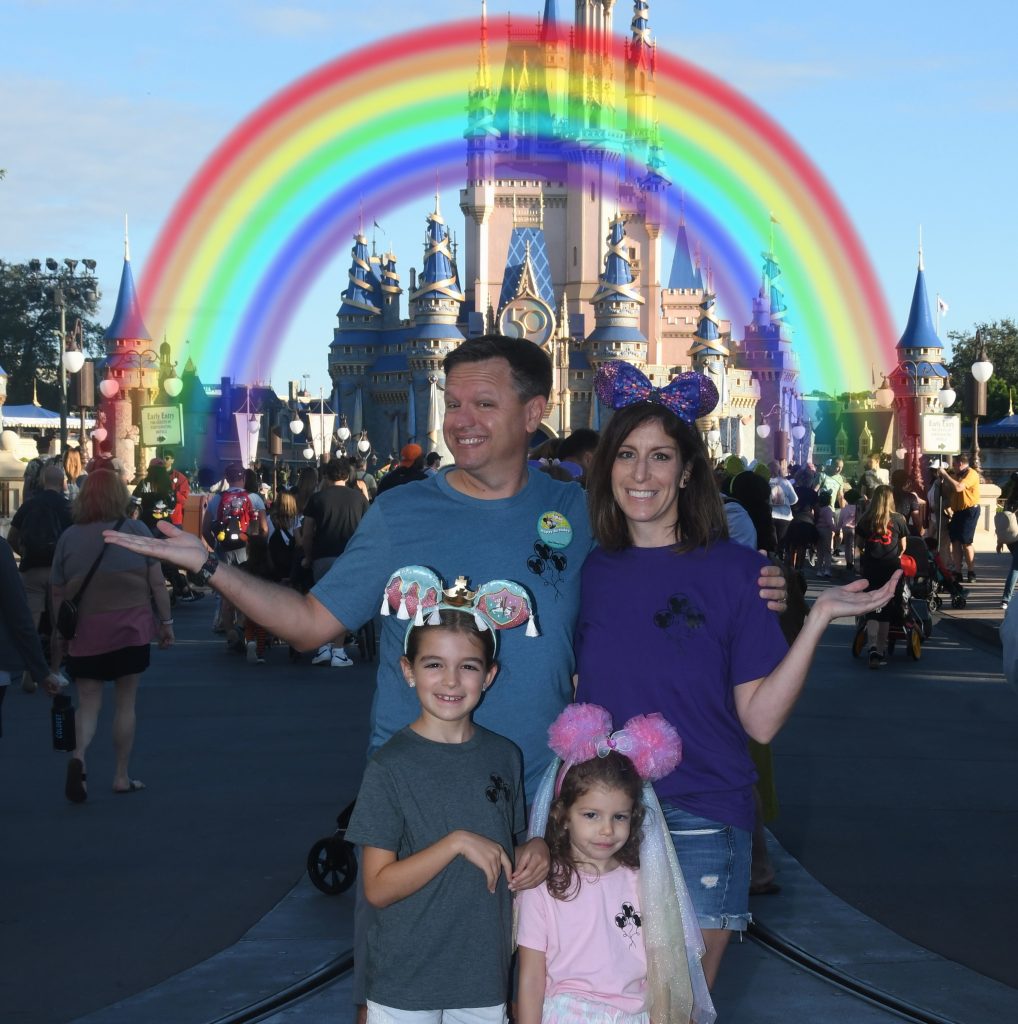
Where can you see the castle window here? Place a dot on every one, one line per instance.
(574, 255)
(592, 198)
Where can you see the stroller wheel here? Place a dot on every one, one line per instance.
(915, 645)
(859, 641)
(332, 866)
(959, 601)
(935, 603)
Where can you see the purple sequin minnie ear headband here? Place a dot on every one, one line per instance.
(689, 395)
(584, 731)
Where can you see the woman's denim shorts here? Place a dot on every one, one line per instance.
(715, 861)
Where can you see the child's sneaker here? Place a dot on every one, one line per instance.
(876, 658)
(340, 659)
(252, 652)
(323, 656)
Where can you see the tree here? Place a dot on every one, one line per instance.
(30, 325)
(1000, 339)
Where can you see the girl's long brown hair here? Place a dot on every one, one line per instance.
(615, 771)
(878, 512)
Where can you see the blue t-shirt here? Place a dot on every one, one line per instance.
(675, 634)
(538, 538)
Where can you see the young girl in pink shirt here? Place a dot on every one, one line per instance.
(610, 937)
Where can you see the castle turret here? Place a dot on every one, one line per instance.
(132, 363)
(617, 302)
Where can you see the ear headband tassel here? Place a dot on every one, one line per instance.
(402, 613)
(385, 606)
(532, 627)
(435, 618)
(419, 616)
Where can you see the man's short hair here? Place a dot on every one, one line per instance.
(529, 364)
(234, 473)
(577, 443)
(432, 459)
(53, 477)
(337, 469)
(168, 453)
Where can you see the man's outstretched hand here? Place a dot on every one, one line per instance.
(177, 547)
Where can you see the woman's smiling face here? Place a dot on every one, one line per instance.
(647, 476)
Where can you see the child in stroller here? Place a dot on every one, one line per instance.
(945, 579)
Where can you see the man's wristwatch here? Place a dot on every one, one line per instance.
(208, 569)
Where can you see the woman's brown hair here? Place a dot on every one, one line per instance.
(701, 516)
(103, 498)
(615, 771)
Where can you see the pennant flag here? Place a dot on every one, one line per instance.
(942, 306)
(774, 220)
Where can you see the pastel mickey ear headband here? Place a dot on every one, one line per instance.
(416, 593)
(584, 731)
(689, 395)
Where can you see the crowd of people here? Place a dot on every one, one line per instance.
(666, 643)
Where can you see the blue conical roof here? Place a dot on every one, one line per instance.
(684, 274)
(127, 324)
(438, 278)
(919, 331)
(360, 294)
(549, 23)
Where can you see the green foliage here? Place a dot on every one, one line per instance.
(1000, 339)
(30, 325)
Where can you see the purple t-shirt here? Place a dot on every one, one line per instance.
(671, 633)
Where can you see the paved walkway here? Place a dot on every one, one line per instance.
(248, 764)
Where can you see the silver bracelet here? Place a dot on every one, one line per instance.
(166, 622)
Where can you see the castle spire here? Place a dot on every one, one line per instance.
(358, 297)
(919, 331)
(127, 323)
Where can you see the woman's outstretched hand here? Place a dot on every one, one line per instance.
(854, 599)
(178, 548)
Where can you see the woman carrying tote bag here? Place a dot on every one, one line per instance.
(115, 622)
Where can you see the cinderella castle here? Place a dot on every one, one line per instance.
(564, 207)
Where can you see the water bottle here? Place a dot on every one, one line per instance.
(62, 720)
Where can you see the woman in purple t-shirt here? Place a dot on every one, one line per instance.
(670, 622)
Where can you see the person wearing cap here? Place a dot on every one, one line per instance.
(181, 488)
(410, 468)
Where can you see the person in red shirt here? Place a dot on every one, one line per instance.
(181, 489)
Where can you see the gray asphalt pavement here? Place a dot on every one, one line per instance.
(898, 789)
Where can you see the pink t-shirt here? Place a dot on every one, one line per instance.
(593, 944)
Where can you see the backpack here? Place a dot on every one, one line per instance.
(1005, 525)
(37, 538)
(233, 519)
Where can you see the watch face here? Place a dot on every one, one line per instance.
(527, 318)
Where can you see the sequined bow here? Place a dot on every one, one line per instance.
(689, 395)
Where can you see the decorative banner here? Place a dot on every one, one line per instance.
(249, 425)
(320, 428)
(411, 410)
(161, 425)
(358, 412)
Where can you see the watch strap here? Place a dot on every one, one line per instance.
(208, 569)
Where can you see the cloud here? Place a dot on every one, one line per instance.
(290, 20)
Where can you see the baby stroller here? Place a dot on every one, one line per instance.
(332, 864)
(911, 619)
(945, 580)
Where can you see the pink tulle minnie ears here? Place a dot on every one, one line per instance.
(584, 731)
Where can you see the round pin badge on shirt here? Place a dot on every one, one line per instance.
(554, 529)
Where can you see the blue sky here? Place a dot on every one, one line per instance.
(109, 108)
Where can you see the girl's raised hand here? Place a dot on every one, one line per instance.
(484, 854)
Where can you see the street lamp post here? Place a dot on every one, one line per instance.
(982, 371)
(71, 357)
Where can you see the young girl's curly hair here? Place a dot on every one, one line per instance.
(615, 771)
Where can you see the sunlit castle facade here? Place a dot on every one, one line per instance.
(563, 244)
